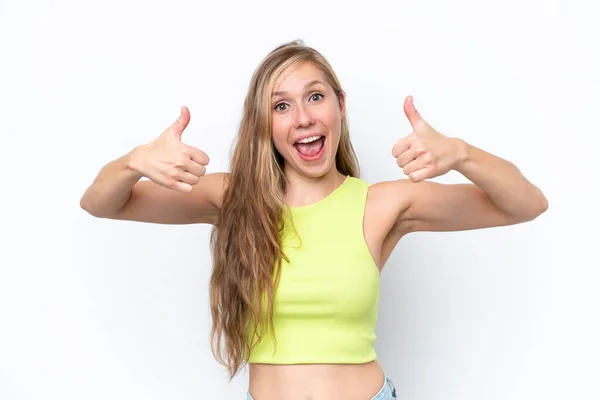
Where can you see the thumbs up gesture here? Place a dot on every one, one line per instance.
(425, 153)
(169, 162)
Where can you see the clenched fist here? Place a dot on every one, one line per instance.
(426, 153)
(169, 162)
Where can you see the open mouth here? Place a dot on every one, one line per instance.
(310, 148)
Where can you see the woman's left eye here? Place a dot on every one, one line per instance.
(316, 94)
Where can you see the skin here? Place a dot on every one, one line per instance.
(179, 192)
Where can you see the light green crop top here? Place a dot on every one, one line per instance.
(325, 307)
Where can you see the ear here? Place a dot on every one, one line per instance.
(342, 101)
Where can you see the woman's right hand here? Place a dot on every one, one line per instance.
(169, 162)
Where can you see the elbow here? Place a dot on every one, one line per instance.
(83, 205)
(542, 203)
(538, 207)
(533, 208)
(89, 209)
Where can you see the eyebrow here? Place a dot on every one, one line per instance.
(309, 84)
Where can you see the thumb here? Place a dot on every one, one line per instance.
(182, 122)
(415, 119)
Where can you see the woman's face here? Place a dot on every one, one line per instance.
(306, 120)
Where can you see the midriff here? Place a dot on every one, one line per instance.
(315, 381)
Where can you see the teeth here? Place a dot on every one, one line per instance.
(309, 139)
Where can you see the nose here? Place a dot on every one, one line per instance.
(303, 117)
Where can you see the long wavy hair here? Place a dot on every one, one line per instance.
(245, 241)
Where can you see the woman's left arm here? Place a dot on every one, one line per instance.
(502, 182)
(499, 195)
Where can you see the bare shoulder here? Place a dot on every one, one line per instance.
(151, 202)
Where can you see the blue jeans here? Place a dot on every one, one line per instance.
(387, 391)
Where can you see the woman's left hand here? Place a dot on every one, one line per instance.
(426, 153)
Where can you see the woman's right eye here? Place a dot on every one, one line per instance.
(280, 104)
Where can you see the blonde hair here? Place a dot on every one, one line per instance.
(245, 241)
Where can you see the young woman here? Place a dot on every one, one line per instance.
(299, 240)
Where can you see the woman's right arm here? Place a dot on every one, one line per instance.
(178, 192)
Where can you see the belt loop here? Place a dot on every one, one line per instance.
(392, 385)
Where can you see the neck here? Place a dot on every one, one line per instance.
(303, 190)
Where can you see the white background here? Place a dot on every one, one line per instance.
(101, 309)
